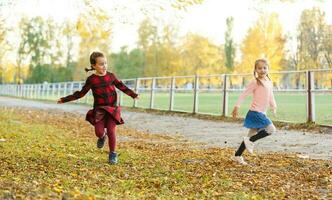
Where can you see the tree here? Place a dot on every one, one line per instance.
(128, 65)
(148, 42)
(313, 43)
(311, 38)
(327, 45)
(4, 45)
(263, 40)
(229, 46)
(169, 64)
(94, 27)
(42, 45)
(201, 56)
(34, 47)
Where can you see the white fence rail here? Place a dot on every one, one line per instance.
(195, 94)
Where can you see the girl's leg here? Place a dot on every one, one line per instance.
(252, 132)
(270, 129)
(111, 126)
(100, 128)
(242, 147)
(100, 133)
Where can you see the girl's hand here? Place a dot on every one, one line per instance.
(235, 112)
(137, 97)
(59, 101)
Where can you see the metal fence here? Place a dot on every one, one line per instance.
(296, 93)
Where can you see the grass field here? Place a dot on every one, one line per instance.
(291, 107)
(45, 157)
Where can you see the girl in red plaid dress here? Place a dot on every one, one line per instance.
(105, 113)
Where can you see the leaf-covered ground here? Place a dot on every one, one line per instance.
(52, 155)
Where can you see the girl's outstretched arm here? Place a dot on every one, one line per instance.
(78, 94)
(249, 89)
(121, 86)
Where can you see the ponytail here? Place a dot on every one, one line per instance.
(87, 69)
(268, 76)
(259, 82)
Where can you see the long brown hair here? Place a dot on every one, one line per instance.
(259, 82)
(93, 59)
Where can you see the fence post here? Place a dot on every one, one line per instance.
(31, 91)
(52, 91)
(80, 86)
(86, 97)
(39, 91)
(27, 91)
(22, 91)
(47, 90)
(120, 98)
(153, 83)
(196, 88)
(71, 87)
(35, 91)
(310, 97)
(171, 94)
(59, 89)
(225, 97)
(25, 94)
(43, 91)
(65, 89)
(136, 90)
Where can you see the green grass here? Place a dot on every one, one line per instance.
(291, 107)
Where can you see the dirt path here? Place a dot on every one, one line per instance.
(215, 134)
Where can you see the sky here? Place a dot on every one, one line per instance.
(207, 19)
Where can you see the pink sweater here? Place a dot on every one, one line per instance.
(262, 96)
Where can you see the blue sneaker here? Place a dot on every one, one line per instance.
(113, 158)
(101, 142)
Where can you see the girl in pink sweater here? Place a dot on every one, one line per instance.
(256, 121)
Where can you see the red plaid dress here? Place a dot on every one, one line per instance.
(104, 95)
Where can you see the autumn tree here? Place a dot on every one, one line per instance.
(229, 46)
(263, 40)
(4, 45)
(314, 43)
(35, 46)
(311, 38)
(327, 45)
(94, 28)
(148, 41)
(201, 56)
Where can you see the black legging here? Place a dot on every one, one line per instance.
(261, 134)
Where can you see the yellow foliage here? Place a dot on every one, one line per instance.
(264, 40)
(10, 72)
(200, 56)
(94, 27)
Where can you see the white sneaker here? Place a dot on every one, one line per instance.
(249, 145)
(240, 160)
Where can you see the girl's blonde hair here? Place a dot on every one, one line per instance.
(259, 82)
